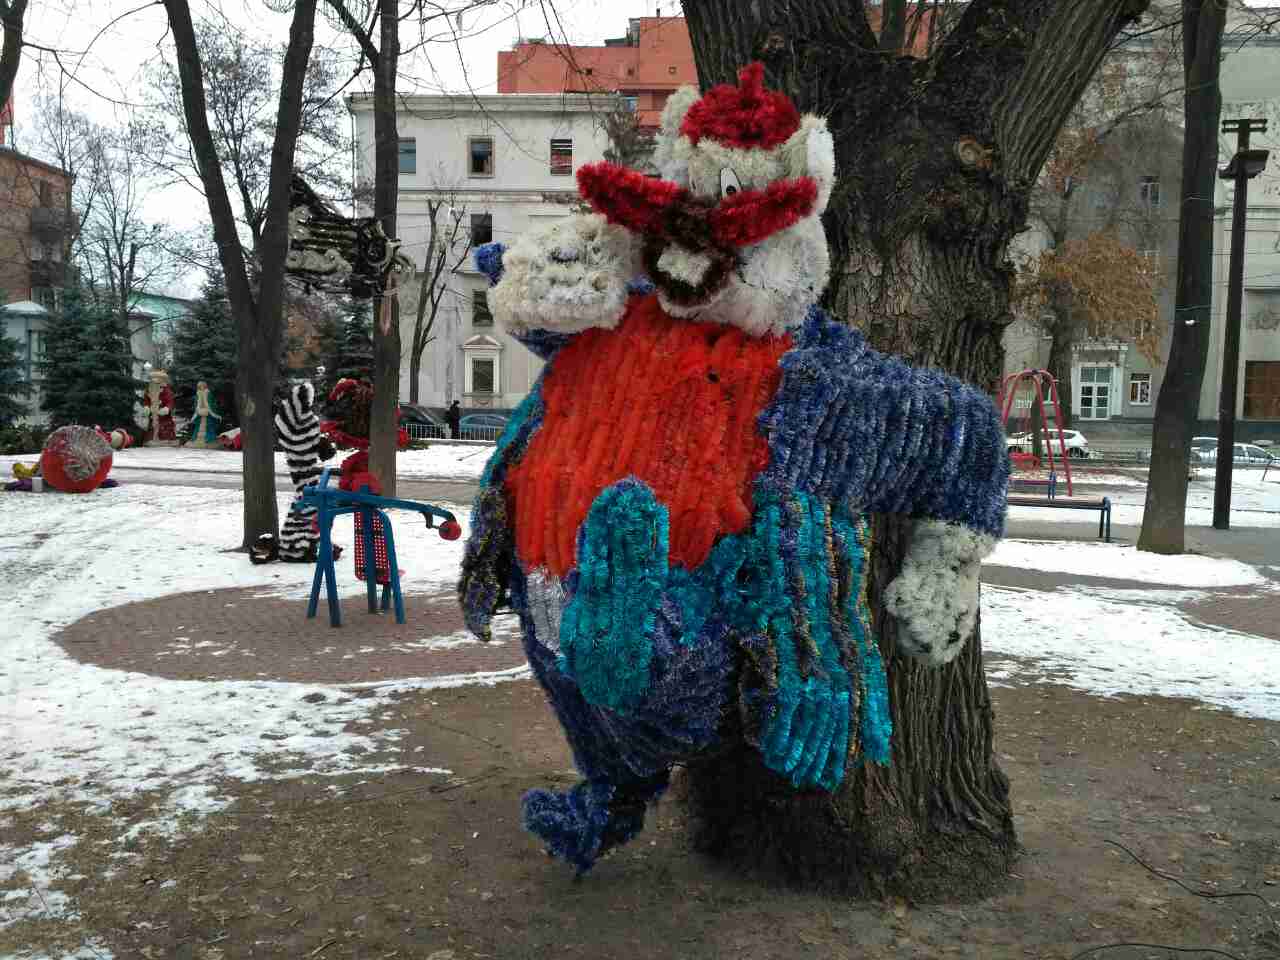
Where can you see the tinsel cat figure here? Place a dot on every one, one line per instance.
(676, 512)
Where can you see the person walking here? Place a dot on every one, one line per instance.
(454, 419)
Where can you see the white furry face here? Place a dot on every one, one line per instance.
(569, 277)
(771, 287)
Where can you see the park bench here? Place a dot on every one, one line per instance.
(1101, 504)
(377, 548)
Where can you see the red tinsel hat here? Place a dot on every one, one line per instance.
(746, 116)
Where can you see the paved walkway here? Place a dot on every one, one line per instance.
(242, 634)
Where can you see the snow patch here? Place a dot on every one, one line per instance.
(1123, 562)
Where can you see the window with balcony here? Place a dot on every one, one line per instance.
(480, 156)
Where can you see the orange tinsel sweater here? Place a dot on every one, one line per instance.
(670, 402)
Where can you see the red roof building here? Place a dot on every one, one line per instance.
(648, 64)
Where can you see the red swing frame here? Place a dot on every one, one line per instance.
(1038, 379)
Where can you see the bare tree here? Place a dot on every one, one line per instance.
(258, 309)
(938, 154)
(242, 94)
(1164, 519)
(448, 244)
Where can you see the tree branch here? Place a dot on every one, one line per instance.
(362, 36)
(1045, 56)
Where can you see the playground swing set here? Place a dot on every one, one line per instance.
(1042, 385)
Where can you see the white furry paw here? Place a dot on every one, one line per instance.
(935, 597)
(568, 277)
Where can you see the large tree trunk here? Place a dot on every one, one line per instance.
(386, 188)
(12, 13)
(260, 319)
(1060, 350)
(1164, 520)
(935, 171)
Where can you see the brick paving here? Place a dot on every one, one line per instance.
(239, 634)
(244, 634)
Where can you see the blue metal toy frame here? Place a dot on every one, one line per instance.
(331, 502)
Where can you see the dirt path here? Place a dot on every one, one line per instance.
(435, 866)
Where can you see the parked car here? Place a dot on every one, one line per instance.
(1245, 454)
(482, 426)
(1075, 442)
(421, 423)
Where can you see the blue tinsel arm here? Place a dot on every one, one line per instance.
(860, 427)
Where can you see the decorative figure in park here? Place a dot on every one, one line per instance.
(158, 401)
(75, 459)
(676, 512)
(205, 420)
(298, 432)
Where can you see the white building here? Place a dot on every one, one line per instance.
(505, 165)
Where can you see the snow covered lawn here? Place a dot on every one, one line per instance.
(71, 732)
(1254, 503)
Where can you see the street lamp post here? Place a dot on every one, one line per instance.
(1244, 166)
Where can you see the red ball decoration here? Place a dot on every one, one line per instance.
(75, 459)
(450, 530)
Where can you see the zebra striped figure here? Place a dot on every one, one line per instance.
(298, 429)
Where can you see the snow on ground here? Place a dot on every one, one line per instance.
(70, 731)
(1254, 503)
(437, 462)
(1122, 562)
(1106, 647)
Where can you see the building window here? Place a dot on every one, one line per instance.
(481, 156)
(480, 315)
(408, 155)
(481, 228)
(561, 158)
(1149, 193)
(47, 297)
(1262, 389)
(630, 104)
(589, 71)
(484, 375)
(46, 194)
(1140, 389)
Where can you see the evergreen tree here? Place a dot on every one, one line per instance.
(356, 360)
(204, 348)
(325, 350)
(13, 384)
(88, 366)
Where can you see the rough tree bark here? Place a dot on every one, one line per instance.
(386, 189)
(12, 14)
(936, 159)
(383, 58)
(260, 319)
(1164, 519)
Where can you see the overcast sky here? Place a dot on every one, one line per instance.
(106, 45)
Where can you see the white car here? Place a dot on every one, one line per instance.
(1075, 442)
(1245, 453)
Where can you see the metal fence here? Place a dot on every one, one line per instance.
(426, 431)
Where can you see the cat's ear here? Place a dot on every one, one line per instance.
(811, 152)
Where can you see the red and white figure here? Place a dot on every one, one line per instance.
(75, 459)
(730, 234)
